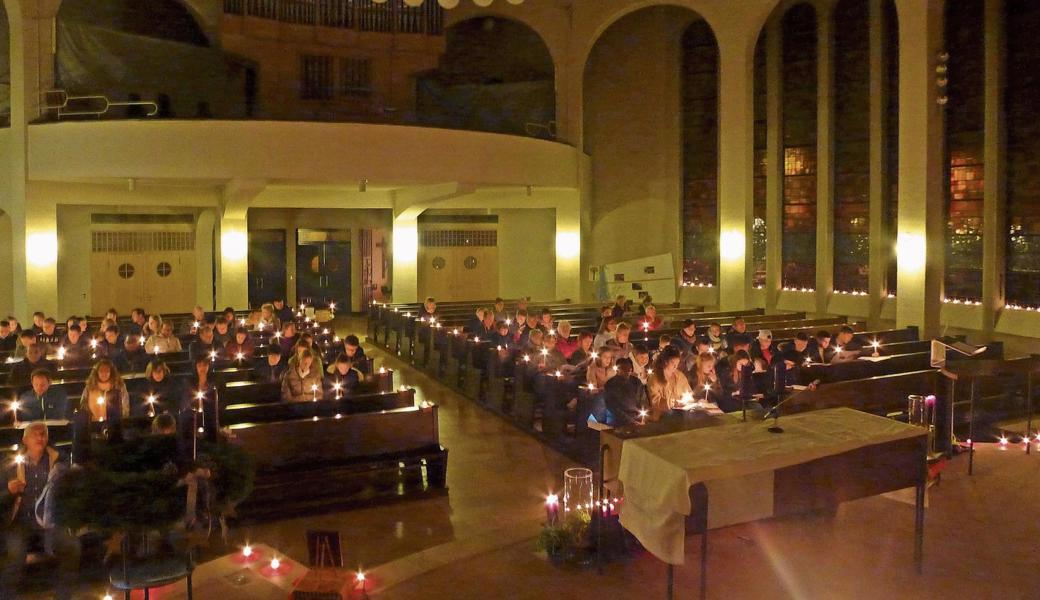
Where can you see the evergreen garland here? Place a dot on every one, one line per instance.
(133, 484)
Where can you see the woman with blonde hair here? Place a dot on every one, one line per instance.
(706, 383)
(668, 385)
(105, 396)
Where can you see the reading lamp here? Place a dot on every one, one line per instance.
(941, 344)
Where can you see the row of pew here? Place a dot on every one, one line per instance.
(513, 387)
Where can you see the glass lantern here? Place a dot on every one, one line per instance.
(577, 490)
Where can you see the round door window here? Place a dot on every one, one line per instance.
(439, 263)
(125, 270)
(470, 263)
(164, 269)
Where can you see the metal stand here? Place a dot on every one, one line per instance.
(919, 522)
(1029, 409)
(971, 427)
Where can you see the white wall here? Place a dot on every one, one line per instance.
(526, 247)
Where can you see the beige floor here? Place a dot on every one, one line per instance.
(982, 533)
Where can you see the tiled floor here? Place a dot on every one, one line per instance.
(982, 533)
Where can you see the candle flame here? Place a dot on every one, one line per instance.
(275, 563)
(247, 551)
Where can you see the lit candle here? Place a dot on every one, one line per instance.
(335, 339)
(527, 358)
(594, 355)
(15, 406)
(382, 370)
(247, 551)
(642, 416)
(875, 344)
(155, 349)
(19, 459)
(314, 392)
(338, 387)
(332, 306)
(325, 331)
(275, 563)
(1003, 442)
(101, 406)
(151, 404)
(93, 344)
(509, 321)
(242, 322)
(240, 356)
(552, 509)
(686, 399)
(454, 331)
(558, 373)
(61, 352)
(195, 325)
(213, 355)
(476, 339)
(646, 327)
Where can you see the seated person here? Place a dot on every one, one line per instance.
(48, 335)
(503, 340)
(104, 395)
(8, 338)
(739, 327)
(158, 393)
(37, 319)
(606, 332)
(763, 352)
(271, 368)
(583, 352)
(287, 338)
(741, 343)
(198, 415)
(846, 344)
(545, 321)
(663, 342)
(111, 345)
(197, 320)
(164, 341)
(668, 385)
(352, 348)
(205, 346)
(534, 343)
(499, 310)
(733, 381)
(267, 321)
(137, 322)
(650, 320)
(21, 372)
(26, 481)
(619, 308)
(796, 353)
(601, 369)
(303, 380)
(428, 309)
(551, 359)
(241, 349)
(622, 339)
(624, 396)
(716, 340)
(43, 402)
(152, 326)
(475, 325)
(343, 377)
(821, 351)
(26, 339)
(704, 381)
(164, 424)
(641, 368)
(283, 312)
(77, 352)
(133, 359)
(530, 324)
(564, 343)
(223, 334)
(686, 338)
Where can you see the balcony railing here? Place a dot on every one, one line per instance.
(392, 16)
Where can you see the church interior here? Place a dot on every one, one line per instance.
(525, 299)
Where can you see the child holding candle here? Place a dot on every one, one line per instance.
(105, 396)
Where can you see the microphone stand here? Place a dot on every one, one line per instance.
(779, 384)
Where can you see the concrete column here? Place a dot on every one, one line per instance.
(880, 245)
(774, 161)
(568, 250)
(405, 243)
(232, 279)
(205, 224)
(824, 154)
(922, 185)
(736, 168)
(34, 240)
(994, 231)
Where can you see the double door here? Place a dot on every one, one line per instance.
(323, 268)
(267, 266)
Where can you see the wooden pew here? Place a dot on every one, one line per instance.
(257, 412)
(306, 464)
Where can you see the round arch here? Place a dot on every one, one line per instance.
(173, 20)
